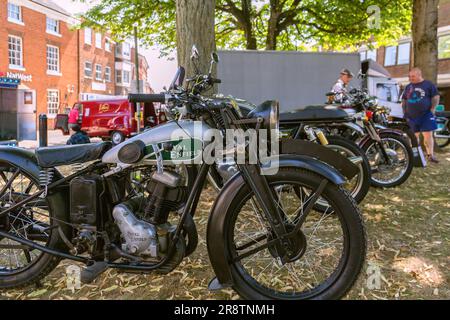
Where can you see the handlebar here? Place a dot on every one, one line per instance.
(147, 98)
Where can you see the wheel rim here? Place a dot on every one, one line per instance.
(117, 138)
(321, 263)
(388, 173)
(28, 222)
(356, 183)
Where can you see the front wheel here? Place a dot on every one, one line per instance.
(326, 256)
(442, 137)
(358, 186)
(396, 169)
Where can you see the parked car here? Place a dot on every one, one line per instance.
(115, 119)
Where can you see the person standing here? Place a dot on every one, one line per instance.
(74, 115)
(419, 101)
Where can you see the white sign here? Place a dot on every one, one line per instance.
(20, 76)
(97, 86)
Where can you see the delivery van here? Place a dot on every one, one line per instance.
(116, 119)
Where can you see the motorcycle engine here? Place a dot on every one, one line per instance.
(143, 221)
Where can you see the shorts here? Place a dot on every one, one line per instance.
(425, 123)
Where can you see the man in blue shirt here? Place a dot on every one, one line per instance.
(419, 101)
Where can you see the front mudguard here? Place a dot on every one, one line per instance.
(367, 139)
(27, 162)
(216, 237)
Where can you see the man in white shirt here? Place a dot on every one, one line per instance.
(340, 88)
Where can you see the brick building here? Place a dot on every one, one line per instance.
(97, 65)
(37, 47)
(143, 73)
(124, 68)
(397, 59)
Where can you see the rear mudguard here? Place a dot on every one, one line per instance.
(367, 139)
(216, 224)
(310, 149)
(27, 162)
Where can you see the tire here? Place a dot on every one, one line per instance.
(374, 158)
(441, 142)
(349, 265)
(362, 186)
(44, 263)
(117, 137)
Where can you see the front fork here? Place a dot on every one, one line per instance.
(376, 137)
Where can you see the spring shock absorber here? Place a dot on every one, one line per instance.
(45, 178)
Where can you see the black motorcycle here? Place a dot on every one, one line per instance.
(442, 135)
(265, 237)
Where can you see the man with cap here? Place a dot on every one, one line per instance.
(341, 86)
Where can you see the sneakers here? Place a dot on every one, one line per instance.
(432, 159)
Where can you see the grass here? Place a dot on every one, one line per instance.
(408, 232)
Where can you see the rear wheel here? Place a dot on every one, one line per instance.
(326, 256)
(21, 265)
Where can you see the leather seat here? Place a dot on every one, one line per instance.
(445, 114)
(49, 157)
(314, 114)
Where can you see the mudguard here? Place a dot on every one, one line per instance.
(367, 138)
(216, 223)
(310, 149)
(26, 160)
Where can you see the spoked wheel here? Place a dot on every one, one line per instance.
(440, 135)
(22, 265)
(397, 169)
(358, 186)
(325, 256)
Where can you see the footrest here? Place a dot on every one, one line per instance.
(92, 272)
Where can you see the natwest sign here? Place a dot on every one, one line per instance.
(19, 76)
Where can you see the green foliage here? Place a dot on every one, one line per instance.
(300, 24)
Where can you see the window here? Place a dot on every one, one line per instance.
(52, 101)
(52, 59)
(108, 74)
(126, 77)
(88, 69)
(15, 52)
(390, 56)
(119, 76)
(404, 51)
(444, 47)
(98, 40)
(52, 26)
(14, 13)
(98, 72)
(372, 54)
(88, 36)
(107, 45)
(126, 50)
(387, 92)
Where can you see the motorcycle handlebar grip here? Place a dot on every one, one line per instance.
(149, 98)
(216, 80)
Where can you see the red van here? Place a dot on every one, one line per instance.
(116, 119)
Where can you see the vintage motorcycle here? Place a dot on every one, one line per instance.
(442, 135)
(265, 237)
(389, 150)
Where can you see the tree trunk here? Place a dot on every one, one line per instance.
(195, 26)
(425, 40)
(248, 27)
(272, 28)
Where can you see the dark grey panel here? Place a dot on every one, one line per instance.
(296, 79)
